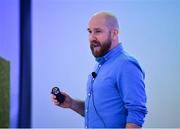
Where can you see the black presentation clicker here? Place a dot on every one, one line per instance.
(55, 91)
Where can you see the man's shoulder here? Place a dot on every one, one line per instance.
(125, 57)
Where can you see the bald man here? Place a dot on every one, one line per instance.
(116, 95)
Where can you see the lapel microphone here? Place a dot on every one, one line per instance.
(94, 74)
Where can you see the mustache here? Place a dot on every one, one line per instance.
(95, 43)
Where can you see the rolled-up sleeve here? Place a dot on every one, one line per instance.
(132, 87)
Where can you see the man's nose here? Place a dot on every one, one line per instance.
(92, 37)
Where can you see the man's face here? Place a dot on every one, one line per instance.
(99, 37)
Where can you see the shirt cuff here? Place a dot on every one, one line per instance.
(136, 118)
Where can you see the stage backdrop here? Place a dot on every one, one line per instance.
(149, 30)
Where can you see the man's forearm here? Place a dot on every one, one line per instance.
(78, 106)
(132, 125)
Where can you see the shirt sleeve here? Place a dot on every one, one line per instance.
(132, 87)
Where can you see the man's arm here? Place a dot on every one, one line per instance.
(132, 125)
(78, 106)
(133, 91)
(75, 105)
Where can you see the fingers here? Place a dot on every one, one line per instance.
(56, 103)
(53, 97)
(54, 100)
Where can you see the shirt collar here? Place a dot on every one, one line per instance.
(110, 54)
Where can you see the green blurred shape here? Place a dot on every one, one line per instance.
(4, 92)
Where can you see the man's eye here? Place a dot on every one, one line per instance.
(90, 32)
(98, 31)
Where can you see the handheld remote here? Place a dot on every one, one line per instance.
(60, 97)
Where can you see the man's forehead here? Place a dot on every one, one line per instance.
(97, 20)
(97, 24)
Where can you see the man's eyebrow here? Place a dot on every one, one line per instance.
(97, 29)
(94, 29)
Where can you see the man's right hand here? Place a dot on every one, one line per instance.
(76, 105)
(67, 102)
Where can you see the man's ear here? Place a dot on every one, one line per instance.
(115, 33)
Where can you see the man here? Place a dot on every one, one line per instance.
(115, 90)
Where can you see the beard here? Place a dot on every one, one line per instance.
(99, 49)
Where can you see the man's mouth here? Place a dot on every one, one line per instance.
(95, 45)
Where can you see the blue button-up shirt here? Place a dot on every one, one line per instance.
(116, 96)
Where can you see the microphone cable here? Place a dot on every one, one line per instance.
(94, 74)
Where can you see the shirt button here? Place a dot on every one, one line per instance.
(89, 94)
(99, 66)
(86, 110)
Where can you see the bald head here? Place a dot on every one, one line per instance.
(107, 18)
